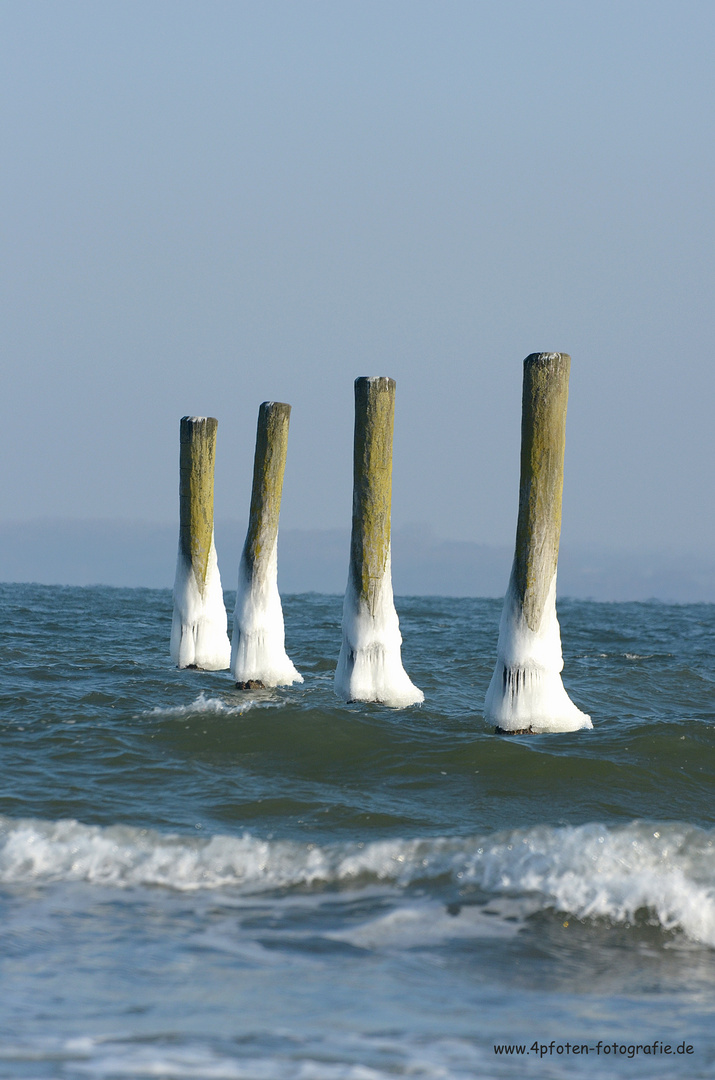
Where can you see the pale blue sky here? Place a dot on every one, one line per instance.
(205, 205)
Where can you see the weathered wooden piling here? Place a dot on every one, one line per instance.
(370, 664)
(258, 656)
(198, 631)
(526, 692)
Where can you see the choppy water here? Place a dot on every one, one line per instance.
(200, 882)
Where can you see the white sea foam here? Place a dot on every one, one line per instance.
(199, 636)
(370, 662)
(588, 871)
(258, 644)
(203, 705)
(526, 689)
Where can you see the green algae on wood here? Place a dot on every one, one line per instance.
(372, 486)
(543, 432)
(197, 457)
(268, 471)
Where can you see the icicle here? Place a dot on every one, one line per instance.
(370, 665)
(258, 655)
(198, 629)
(526, 692)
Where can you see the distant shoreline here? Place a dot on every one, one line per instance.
(136, 554)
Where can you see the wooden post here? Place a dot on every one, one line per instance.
(258, 656)
(370, 665)
(526, 693)
(198, 632)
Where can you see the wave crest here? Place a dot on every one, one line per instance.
(587, 871)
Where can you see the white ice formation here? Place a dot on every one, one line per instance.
(199, 635)
(258, 643)
(526, 692)
(370, 662)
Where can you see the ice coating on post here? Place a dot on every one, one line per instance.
(258, 648)
(370, 665)
(199, 635)
(526, 692)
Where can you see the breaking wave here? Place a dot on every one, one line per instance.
(587, 871)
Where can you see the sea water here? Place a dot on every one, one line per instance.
(197, 881)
